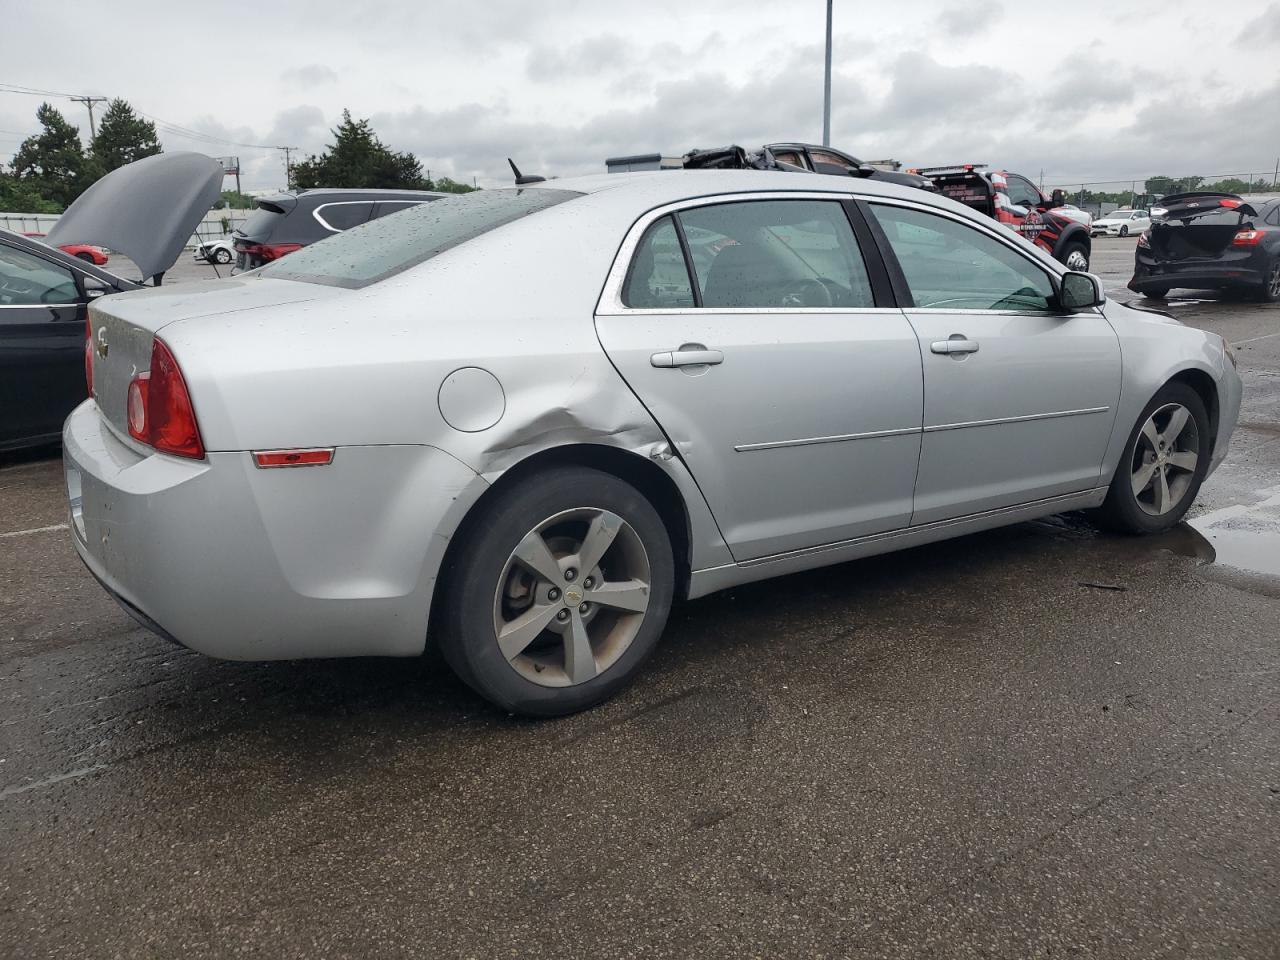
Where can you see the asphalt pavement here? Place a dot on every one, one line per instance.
(1042, 741)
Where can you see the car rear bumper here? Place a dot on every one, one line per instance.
(249, 564)
(1149, 274)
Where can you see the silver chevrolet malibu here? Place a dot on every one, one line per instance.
(523, 421)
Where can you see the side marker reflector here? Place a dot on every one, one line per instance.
(293, 458)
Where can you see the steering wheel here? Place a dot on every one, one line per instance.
(807, 293)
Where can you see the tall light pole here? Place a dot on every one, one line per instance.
(826, 87)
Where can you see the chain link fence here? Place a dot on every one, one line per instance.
(1100, 197)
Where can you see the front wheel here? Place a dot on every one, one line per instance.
(1076, 257)
(1163, 465)
(558, 593)
(1156, 293)
(1124, 231)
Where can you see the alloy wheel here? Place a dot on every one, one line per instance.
(572, 597)
(1273, 280)
(1077, 261)
(1165, 458)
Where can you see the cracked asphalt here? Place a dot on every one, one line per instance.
(1041, 741)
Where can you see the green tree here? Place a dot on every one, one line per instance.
(357, 158)
(123, 137)
(445, 185)
(16, 196)
(236, 201)
(52, 163)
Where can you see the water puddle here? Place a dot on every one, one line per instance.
(1245, 537)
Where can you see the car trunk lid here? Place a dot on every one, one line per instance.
(1189, 226)
(122, 329)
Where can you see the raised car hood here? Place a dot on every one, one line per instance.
(146, 210)
(1189, 206)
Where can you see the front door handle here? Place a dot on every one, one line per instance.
(700, 357)
(956, 343)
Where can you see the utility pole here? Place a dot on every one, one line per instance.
(89, 102)
(1275, 177)
(826, 88)
(288, 167)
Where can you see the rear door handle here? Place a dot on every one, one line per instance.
(957, 343)
(687, 358)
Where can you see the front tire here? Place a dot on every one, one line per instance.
(1156, 293)
(1124, 231)
(1075, 256)
(558, 593)
(1163, 465)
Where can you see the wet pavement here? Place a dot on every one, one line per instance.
(1039, 741)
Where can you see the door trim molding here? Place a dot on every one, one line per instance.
(1026, 418)
(838, 438)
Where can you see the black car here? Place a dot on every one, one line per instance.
(145, 210)
(1214, 241)
(287, 222)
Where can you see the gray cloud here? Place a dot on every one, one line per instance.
(309, 75)
(967, 19)
(1264, 29)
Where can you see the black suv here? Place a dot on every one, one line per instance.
(289, 221)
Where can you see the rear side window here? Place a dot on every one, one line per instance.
(383, 248)
(658, 278)
(343, 215)
(780, 254)
(386, 207)
(950, 266)
(1274, 215)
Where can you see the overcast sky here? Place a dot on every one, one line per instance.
(1085, 90)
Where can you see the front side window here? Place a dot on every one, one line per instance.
(776, 254)
(28, 280)
(951, 266)
(1022, 192)
(658, 277)
(384, 247)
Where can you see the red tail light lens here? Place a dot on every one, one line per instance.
(1230, 204)
(1247, 238)
(1144, 239)
(159, 407)
(270, 251)
(88, 355)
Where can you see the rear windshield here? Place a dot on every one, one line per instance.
(382, 248)
(259, 224)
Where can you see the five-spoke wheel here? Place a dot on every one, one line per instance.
(1163, 464)
(558, 593)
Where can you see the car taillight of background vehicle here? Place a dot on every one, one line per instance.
(270, 251)
(1247, 238)
(88, 355)
(159, 407)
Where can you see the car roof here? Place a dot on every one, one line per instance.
(669, 186)
(365, 192)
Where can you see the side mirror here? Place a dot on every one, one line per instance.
(866, 170)
(1058, 198)
(1080, 291)
(94, 288)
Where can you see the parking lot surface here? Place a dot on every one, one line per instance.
(1039, 741)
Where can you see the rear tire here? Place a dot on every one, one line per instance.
(222, 256)
(1158, 293)
(1163, 464)
(1075, 256)
(528, 630)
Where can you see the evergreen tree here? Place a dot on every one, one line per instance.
(52, 163)
(357, 158)
(123, 137)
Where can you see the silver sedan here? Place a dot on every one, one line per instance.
(521, 422)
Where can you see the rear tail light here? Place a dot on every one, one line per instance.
(88, 355)
(270, 251)
(159, 410)
(1230, 204)
(1144, 239)
(1247, 238)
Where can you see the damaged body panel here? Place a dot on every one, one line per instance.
(1210, 240)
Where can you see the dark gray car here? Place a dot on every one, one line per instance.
(290, 221)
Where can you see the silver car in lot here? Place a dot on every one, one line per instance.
(521, 422)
